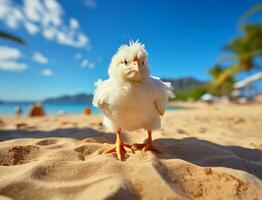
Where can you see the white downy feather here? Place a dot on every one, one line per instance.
(131, 106)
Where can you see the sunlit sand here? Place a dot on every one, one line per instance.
(210, 152)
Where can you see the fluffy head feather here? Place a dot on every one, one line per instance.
(122, 64)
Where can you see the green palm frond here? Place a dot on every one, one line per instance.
(225, 58)
(251, 11)
(216, 71)
(11, 37)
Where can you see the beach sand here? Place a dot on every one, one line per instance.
(210, 152)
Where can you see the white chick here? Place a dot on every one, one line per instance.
(130, 99)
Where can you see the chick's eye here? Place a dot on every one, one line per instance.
(125, 61)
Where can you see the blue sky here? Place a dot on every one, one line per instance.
(70, 43)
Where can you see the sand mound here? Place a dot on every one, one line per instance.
(207, 155)
(62, 167)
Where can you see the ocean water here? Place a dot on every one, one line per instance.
(55, 108)
(49, 108)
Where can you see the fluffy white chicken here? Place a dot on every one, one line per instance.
(130, 99)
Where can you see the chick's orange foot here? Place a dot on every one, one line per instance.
(119, 147)
(120, 150)
(148, 144)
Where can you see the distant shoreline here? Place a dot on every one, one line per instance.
(54, 108)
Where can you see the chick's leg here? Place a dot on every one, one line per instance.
(119, 146)
(148, 144)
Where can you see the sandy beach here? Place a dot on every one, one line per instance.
(210, 152)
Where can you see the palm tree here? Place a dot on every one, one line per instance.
(216, 71)
(243, 51)
(11, 37)
(224, 88)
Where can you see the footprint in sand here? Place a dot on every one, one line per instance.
(18, 155)
(21, 125)
(50, 144)
(88, 148)
(181, 131)
(47, 142)
(202, 130)
(82, 149)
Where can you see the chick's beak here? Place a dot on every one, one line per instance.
(135, 66)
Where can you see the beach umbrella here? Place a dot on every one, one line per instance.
(207, 97)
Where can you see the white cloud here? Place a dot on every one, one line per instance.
(49, 33)
(3, 8)
(46, 17)
(65, 39)
(84, 63)
(53, 13)
(74, 23)
(87, 64)
(14, 18)
(8, 59)
(40, 58)
(81, 40)
(91, 3)
(47, 72)
(31, 28)
(78, 56)
(33, 10)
